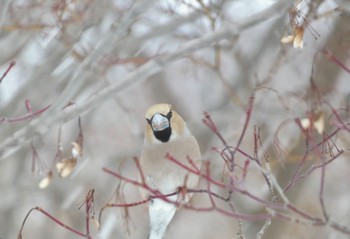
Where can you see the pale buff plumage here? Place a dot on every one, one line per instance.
(159, 172)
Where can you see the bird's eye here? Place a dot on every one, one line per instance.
(149, 121)
(169, 115)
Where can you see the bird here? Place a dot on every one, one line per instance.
(166, 133)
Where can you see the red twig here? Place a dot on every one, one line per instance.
(29, 115)
(207, 120)
(196, 172)
(12, 64)
(157, 194)
(28, 106)
(314, 167)
(335, 60)
(89, 210)
(337, 116)
(321, 192)
(245, 169)
(246, 123)
(274, 209)
(89, 205)
(296, 173)
(143, 184)
(208, 191)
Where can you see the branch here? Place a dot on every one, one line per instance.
(89, 202)
(12, 64)
(29, 115)
(39, 126)
(335, 60)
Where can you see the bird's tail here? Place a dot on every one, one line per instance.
(160, 213)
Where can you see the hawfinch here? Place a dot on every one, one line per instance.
(167, 133)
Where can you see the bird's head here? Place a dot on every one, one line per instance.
(163, 124)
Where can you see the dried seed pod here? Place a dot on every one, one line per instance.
(66, 166)
(45, 182)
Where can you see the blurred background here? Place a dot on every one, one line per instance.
(107, 61)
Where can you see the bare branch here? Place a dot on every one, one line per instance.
(40, 126)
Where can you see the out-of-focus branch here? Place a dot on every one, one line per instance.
(114, 37)
(4, 8)
(40, 126)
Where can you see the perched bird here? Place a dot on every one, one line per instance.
(166, 133)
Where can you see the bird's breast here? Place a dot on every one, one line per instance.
(164, 175)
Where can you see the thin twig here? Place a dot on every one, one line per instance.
(12, 64)
(25, 134)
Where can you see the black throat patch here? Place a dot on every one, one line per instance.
(163, 135)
